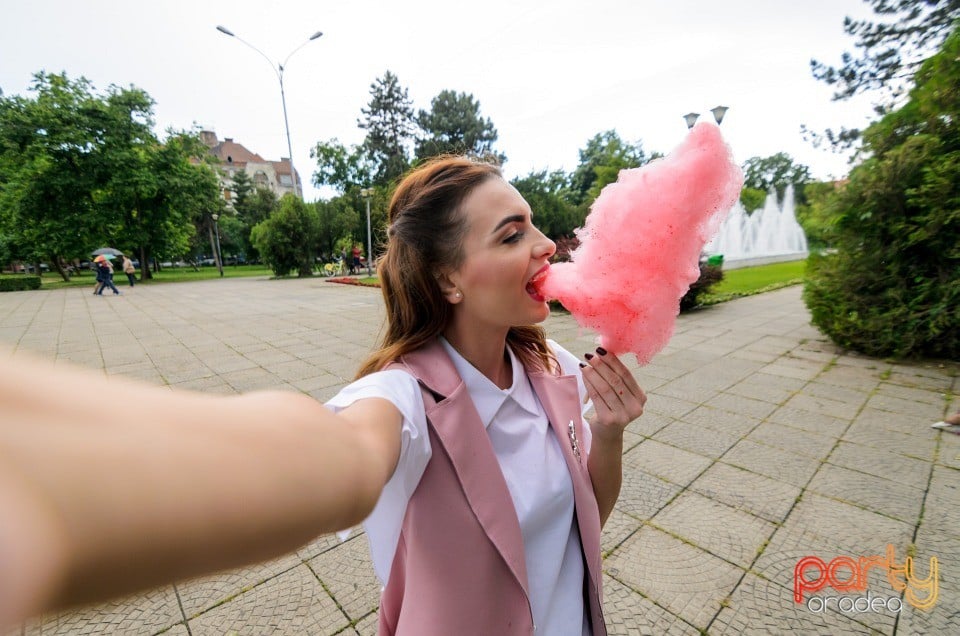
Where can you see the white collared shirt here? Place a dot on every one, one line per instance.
(533, 466)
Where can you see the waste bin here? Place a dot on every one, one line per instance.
(715, 260)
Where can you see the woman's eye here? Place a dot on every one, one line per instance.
(514, 238)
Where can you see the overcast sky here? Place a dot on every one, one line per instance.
(549, 73)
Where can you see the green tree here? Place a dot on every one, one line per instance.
(49, 169)
(342, 168)
(337, 219)
(258, 207)
(80, 170)
(600, 162)
(241, 187)
(454, 125)
(388, 120)
(752, 199)
(892, 48)
(287, 241)
(893, 286)
(775, 173)
(549, 198)
(172, 192)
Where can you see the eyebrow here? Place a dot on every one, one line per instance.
(514, 218)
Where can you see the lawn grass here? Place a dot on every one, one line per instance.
(168, 275)
(751, 280)
(735, 283)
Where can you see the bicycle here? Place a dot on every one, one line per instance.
(332, 269)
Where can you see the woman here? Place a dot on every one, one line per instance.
(461, 444)
(129, 270)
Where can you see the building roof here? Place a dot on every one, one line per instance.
(230, 152)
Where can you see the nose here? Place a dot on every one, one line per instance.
(544, 247)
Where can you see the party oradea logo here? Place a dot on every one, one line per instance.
(848, 576)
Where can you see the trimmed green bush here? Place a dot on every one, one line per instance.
(892, 288)
(19, 283)
(710, 275)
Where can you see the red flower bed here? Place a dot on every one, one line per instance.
(347, 280)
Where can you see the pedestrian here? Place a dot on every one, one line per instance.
(129, 269)
(105, 277)
(462, 445)
(101, 270)
(355, 265)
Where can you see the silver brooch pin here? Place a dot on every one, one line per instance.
(572, 430)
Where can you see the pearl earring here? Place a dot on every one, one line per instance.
(458, 295)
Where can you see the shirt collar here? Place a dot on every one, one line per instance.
(487, 396)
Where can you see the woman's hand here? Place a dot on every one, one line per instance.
(617, 398)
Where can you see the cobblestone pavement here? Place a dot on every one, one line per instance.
(762, 444)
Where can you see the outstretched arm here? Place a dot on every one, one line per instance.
(100, 497)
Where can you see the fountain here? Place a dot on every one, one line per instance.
(771, 234)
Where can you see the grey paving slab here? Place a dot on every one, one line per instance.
(345, 573)
(733, 535)
(142, 614)
(706, 442)
(667, 462)
(774, 463)
(628, 613)
(762, 443)
(681, 578)
(742, 489)
(293, 603)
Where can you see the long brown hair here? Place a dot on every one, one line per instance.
(425, 236)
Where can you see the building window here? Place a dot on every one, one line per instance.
(285, 180)
(260, 179)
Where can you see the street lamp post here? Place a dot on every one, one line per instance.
(366, 193)
(278, 69)
(718, 113)
(219, 255)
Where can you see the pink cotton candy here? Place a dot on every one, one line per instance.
(640, 247)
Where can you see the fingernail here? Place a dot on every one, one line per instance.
(583, 366)
(588, 356)
(601, 351)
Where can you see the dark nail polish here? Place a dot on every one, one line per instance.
(601, 351)
(583, 366)
(588, 356)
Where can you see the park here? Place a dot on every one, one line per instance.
(791, 471)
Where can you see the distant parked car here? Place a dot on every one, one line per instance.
(29, 268)
(208, 261)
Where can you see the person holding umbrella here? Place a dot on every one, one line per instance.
(104, 275)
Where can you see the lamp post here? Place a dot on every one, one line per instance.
(718, 113)
(219, 255)
(366, 193)
(278, 69)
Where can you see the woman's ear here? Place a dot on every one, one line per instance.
(449, 288)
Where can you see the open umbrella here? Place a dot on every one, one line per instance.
(106, 251)
(103, 257)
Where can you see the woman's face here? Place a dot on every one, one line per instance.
(502, 252)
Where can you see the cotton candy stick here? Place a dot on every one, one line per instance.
(640, 246)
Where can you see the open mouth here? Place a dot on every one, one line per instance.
(533, 286)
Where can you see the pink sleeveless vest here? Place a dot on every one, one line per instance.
(459, 568)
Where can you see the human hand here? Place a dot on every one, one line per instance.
(617, 398)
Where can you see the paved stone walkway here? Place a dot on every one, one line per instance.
(762, 444)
